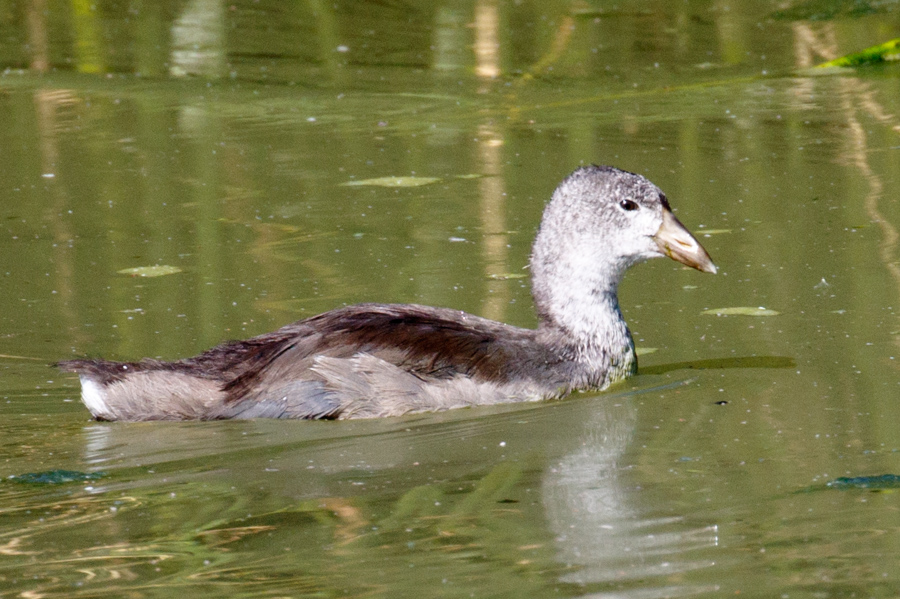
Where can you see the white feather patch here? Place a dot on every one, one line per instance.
(93, 396)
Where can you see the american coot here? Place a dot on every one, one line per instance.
(373, 360)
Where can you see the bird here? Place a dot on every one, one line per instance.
(386, 360)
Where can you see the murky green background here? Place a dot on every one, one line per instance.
(216, 137)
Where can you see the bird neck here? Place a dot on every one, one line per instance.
(591, 319)
(582, 310)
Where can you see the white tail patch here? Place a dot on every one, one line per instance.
(94, 396)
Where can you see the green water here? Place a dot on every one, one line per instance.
(217, 138)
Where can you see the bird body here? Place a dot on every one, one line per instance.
(377, 360)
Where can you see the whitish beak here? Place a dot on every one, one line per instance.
(676, 242)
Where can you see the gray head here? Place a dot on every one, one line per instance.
(600, 222)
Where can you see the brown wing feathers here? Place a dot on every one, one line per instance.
(424, 342)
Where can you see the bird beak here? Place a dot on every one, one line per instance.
(676, 242)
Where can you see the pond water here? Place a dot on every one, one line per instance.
(754, 454)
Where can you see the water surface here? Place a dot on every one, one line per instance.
(219, 139)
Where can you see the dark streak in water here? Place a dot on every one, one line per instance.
(723, 363)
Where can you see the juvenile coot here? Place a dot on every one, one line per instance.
(374, 360)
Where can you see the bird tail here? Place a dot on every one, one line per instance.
(145, 390)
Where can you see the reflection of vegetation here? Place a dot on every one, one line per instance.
(825, 10)
(558, 48)
(464, 532)
(86, 27)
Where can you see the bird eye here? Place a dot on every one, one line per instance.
(628, 205)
